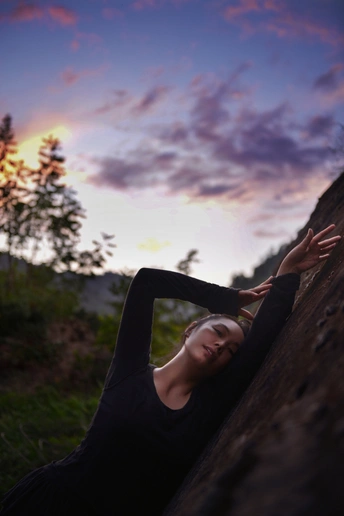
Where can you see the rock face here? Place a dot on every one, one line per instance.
(281, 452)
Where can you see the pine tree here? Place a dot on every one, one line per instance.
(39, 213)
(13, 192)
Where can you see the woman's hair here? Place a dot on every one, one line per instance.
(244, 324)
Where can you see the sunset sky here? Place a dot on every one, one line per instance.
(186, 124)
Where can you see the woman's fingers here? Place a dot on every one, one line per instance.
(329, 241)
(263, 293)
(328, 248)
(261, 288)
(307, 240)
(246, 314)
(267, 280)
(324, 232)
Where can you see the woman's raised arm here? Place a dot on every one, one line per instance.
(273, 312)
(134, 337)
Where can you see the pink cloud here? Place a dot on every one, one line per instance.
(281, 21)
(139, 5)
(26, 12)
(63, 15)
(69, 76)
(90, 38)
(292, 25)
(243, 7)
(142, 4)
(75, 45)
(110, 13)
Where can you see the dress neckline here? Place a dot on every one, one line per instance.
(169, 409)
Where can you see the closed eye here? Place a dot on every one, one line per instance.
(217, 331)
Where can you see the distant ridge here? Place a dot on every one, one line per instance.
(94, 295)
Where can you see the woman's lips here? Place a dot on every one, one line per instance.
(209, 351)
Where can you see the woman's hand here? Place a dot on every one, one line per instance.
(246, 297)
(311, 251)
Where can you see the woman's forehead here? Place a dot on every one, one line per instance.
(231, 325)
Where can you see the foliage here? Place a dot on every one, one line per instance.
(25, 312)
(38, 428)
(107, 331)
(185, 265)
(13, 192)
(39, 212)
(265, 269)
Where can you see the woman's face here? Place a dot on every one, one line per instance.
(212, 344)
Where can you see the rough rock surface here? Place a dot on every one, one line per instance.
(281, 452)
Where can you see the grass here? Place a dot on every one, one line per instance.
(38, 428)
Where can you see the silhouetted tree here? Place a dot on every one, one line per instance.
(185, 265)
(13, 192)
(38, 212)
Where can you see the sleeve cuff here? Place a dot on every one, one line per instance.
(289, 281)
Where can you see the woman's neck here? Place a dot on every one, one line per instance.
(175, 381)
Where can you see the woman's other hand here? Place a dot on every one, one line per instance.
(308, 253)
(246, 297)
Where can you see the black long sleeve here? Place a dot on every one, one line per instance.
(267, 324)
(134, 336)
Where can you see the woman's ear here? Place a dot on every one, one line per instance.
(189, 329)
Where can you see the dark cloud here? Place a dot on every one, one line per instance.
(122, 99)
(177, 133)
(220, 150)
(330, 80)
(267, 139)
(320, 125)
(212, 96)
(209, 112)
(119, 99)
(121, 174)
(166, 159)
(216, 190)
(150, 99)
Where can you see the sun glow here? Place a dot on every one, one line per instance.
(28, 149)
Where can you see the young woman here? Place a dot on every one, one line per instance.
(152, 423)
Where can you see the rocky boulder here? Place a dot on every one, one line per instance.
(281, 452)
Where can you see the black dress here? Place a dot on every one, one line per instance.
(137, 450)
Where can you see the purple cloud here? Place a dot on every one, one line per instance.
(150, 99)
(267, 139)
(177, 133)
(121, 174)
(319, 126)
(211, 106)
(119, 99)
(219, 150)
(330, 80)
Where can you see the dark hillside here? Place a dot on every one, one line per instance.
(281, 453)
